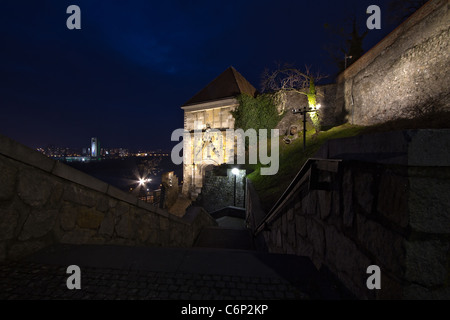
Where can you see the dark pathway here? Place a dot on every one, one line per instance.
(211, 270)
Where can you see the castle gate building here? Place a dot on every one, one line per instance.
(209, 111)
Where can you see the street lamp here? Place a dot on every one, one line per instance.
(142, 184)
(235, 172)
(303, 112)
(143, 181)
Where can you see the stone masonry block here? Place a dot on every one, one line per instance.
(107, 225)
(120, 209)
(2, 251)
(300, 225)
(393, 198)
(384, 244)
(316, 236)
(284, 224)
(145, 222)
(79, 195)
(291, 234)
(89, 218)
(38, 224)
(427, 262)
(343, 255)
(304, 248)
(9, 219)
(324, 205)
(8, 175)
(290, 214)
(429, 204)
(68, 216)
(163, 223)
(126, 227)
(311, 202)
(102, 203)
(363, 191)
(34, 187)
(347, 190)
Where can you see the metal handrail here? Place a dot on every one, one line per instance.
(306, 166)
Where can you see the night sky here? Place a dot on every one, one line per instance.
(125, 74)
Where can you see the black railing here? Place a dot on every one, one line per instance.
(305, 174)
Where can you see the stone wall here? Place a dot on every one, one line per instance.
(404, 75)
(389, 212)
(219, 192)
(43, 202)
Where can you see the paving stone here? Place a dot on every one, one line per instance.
(35, 281)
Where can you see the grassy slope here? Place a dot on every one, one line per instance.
(292, 157)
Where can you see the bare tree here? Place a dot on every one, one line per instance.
(290, 79)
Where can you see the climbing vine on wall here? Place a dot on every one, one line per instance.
(256, 113)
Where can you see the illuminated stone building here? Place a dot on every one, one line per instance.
(209, 111)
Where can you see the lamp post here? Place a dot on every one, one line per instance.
(303, 112)
(235, 172)
(142, 185)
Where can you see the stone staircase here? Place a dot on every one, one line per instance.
(223, 264)
(231, 232)
(225, 238)
(232, 237)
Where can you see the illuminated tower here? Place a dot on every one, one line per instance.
(210, 109)
(95, 148)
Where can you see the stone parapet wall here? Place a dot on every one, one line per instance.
(43, 202)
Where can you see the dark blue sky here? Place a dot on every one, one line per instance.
(125, 74)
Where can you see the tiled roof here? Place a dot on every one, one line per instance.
(229, 84)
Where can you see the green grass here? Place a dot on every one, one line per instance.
(292, 157)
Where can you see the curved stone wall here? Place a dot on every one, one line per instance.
(43, 201)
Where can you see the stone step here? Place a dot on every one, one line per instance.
(225, 238)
